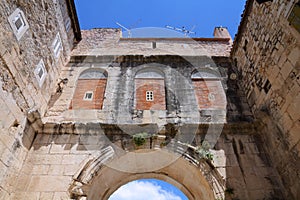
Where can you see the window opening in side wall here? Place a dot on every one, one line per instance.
(68, 24)
(153, 45)
(294, 17)
(18, 23)
(40, 72)
(57, 46)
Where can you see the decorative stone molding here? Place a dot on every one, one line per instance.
(101, 164)
(87, 172)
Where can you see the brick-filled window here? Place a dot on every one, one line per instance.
(150, 90)
(90, 90)
(209, 91)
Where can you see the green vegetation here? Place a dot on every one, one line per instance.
(162, 144)
(140, 138)
(203, 151)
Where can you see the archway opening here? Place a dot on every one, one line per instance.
(148, 189)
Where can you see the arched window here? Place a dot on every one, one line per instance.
(90, 90)
(150, 90)
(208, 90)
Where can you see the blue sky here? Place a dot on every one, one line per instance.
(148, 189)
(204, 15)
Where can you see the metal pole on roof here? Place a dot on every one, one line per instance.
(128, 30)
(183, 29)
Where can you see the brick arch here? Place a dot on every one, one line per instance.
(149, 88)
(149, 72)
(98, 179)
(99, 71)
(90, 89)
(208, 89)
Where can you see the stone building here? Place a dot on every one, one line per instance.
(87, 111)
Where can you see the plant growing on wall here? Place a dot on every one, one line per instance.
(203, 151)
(162, 144)
(140, 138)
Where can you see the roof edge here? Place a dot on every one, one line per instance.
(242, 26)
(74, 19)
(177, 39)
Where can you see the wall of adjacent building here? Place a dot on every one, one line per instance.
(109, 41)
(266, 53)
(20, 90)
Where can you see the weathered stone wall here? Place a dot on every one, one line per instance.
(248, 170)
(267, 55)
(60, 153)
(181, 102)
(20, 91)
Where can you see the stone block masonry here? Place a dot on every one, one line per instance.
(24, 85)
(66, 115)
(54, 160)
(267, 55)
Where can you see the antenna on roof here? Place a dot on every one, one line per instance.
(183, 29)
(128, 30)
(135, 24)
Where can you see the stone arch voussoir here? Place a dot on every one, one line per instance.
(98, 179)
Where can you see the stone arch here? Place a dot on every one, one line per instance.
(149, 72)
(90, 89)
(98, 178)
(93, 73)
(205, 74)
(149, 88)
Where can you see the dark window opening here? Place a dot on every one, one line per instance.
(19, 23)
(262, 1)
(245, 45)
(154, 45)
(294, 17)
(267, 86)
(88, 96)
(41, 72)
